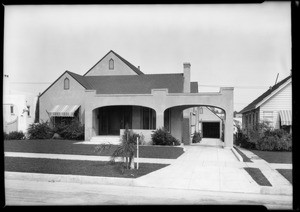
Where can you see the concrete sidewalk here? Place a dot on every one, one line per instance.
(206, 166)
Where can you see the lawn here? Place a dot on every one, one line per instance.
(274, 156)
(69, 147)
(76, 167)
(258, 176)
(287, 173)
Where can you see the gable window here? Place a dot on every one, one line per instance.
(111, 64)
(66, 84)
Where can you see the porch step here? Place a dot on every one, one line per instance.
(106, 139)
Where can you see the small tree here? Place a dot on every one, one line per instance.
(125, 150)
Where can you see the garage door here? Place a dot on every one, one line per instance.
(211, 129)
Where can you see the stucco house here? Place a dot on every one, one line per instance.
(18, 108)
(114, 93)
(273, 106)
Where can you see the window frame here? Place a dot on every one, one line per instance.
(66, 86)
(111, 64)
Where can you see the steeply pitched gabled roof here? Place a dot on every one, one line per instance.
(253, 104)
(135, 84)
(135, 69)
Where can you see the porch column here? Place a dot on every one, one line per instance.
(88, 124)
(159, 119)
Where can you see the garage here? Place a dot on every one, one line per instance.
(211, 129)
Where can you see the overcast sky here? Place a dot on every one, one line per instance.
(241, 45)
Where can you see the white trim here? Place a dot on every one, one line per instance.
(273, 93)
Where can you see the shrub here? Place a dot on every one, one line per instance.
(40, 131)
(163, 137)
(72, 131)
(196, 137)
(15, 135)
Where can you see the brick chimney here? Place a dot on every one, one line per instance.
(187, 77)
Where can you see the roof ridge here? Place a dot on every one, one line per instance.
(264, 95)
(135, 69)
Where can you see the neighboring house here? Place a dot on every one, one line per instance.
(114, 94)
(208, 123)
(18, 109)
(273, 106)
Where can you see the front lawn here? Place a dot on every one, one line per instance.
(69, 147)
(274, 156)
(76, 167)
(287, 173)
(258, 176)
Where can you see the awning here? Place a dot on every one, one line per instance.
(285, 117)
(63, 110)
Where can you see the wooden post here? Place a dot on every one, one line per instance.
(137, 154)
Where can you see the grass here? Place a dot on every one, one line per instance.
(274, 156)
(68, 147)
(245, 158)
(287, 173)
(258, 176)
(76, 167)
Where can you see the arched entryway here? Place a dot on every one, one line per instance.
(109, 120)
(184, 120)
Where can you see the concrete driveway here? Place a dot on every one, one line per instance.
(204, 166)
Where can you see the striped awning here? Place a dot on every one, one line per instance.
(285, 117)
(63, 110)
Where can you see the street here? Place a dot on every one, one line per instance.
(21, 192)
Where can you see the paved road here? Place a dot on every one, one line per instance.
(22, 192)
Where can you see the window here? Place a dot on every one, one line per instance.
(268, 116)
(66, 84)
(200, 110)
(11, 109)
(111, 64)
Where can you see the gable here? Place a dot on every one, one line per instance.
(282, 100)
(120, 66)
(58, 84)
(208, 115)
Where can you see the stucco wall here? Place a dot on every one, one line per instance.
(102, 68)
(56, 95)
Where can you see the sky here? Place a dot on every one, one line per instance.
(243, 46)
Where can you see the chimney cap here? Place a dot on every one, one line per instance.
(186, 65)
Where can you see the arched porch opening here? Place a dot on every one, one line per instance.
(183, 121)
(110, 120)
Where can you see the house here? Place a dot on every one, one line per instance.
(273, 106)
(18, 108)
(114, 94)
(206, 121)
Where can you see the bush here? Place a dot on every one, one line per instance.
(40, 131)
(264, 138)
(15, 135)
(196, 137)
(163, 137)
(72, 131)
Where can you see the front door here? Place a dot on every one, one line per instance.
(112, 119)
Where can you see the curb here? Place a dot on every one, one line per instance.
(288, 191)
(69, 178)
(237, 155)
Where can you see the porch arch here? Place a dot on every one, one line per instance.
(110, 119)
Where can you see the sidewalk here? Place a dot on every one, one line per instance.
(207, 167)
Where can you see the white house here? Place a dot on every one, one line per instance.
(18, 108)
(274, 106)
